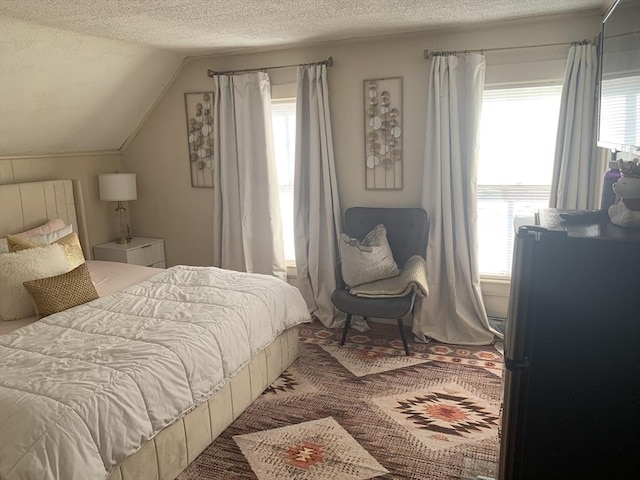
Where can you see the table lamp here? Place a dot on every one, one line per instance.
(119, 187)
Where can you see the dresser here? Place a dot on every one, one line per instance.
(139, 251)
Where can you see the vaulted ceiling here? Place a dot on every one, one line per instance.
(80, 75)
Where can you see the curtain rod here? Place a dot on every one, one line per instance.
(328, 62)
(427, 54)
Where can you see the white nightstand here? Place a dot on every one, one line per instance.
(139, 251)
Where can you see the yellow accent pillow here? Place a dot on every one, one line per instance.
(55, 294)
(17, 243)
(70, 243)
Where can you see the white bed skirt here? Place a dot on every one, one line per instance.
(166, 455)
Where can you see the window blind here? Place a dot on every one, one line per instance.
(497, 206)
(517, 144)
(620, 105)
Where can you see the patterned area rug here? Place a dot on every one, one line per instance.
(309, 450)
(366, 410)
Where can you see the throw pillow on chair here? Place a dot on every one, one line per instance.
(368, 260)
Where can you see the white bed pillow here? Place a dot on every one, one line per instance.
(50, 226)
(23, 266)
(47, 233)
(51, 237)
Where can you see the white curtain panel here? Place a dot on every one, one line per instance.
(247, 222)
(578, 164)
(454, 311)
(317, 216)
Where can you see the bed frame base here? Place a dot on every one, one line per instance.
(166, 455)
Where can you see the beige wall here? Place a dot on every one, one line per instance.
(169, 207)
(84, 167)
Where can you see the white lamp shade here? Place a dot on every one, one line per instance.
(117, 187)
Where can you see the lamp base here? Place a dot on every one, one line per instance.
(123, 230)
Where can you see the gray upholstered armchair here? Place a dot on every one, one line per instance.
(407, 230)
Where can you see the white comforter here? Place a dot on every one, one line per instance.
(83, 389)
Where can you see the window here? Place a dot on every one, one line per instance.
(619, 111)
(517, 143)
(284, 137)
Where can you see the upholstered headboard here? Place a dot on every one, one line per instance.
(27, 205)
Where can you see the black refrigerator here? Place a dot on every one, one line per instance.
(571, 405)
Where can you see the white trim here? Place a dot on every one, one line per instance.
(495, 286)
(283, 93)
(291, 270)
(549, 82)
(495, 294)
(61, 154)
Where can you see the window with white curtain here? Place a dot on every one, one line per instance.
(284, 135)
(518, 131)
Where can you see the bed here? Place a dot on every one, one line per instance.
(135, 384)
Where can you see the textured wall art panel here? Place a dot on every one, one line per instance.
(199, 110)
(383, 133)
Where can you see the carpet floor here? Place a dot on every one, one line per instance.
(365, 410)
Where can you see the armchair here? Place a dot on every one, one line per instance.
(407, 230)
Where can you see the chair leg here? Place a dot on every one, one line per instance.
(346, 329)
(404, 336)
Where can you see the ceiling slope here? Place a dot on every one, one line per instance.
(66, 92)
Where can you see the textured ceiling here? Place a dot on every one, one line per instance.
(216, 26)
(79, 75)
